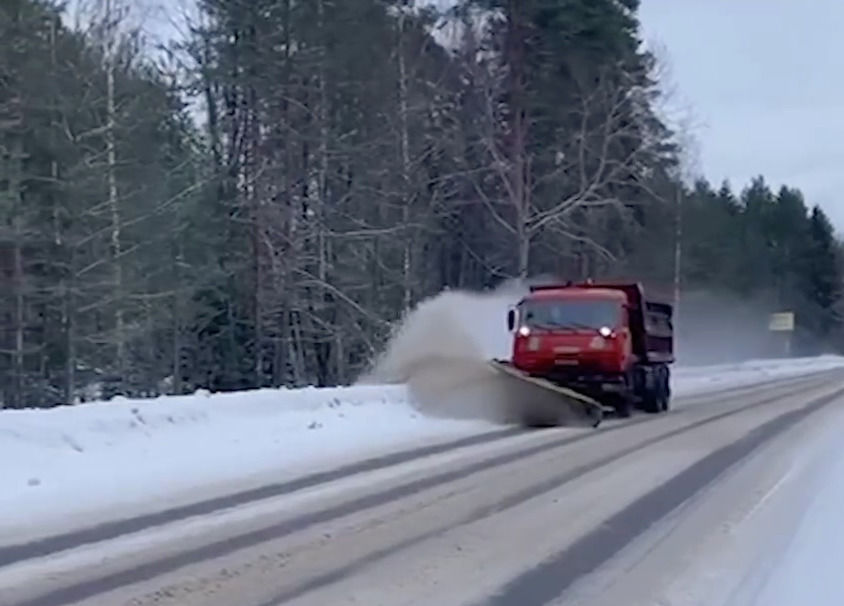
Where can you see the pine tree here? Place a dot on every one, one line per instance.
(823, 275)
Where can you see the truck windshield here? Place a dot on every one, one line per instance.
(581, 314)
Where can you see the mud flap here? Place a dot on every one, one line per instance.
(576, 409)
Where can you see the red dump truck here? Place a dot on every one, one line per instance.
(604, 344)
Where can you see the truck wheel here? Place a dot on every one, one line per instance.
(665, 384)
(656, 398)
(653, 404)
(661, 402)
(624, 407)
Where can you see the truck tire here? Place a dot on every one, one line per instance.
(666, 389)
(656, 398)
(624, 407)
(653, 403)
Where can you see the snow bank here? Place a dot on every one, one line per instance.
(688, 380)
(105, 455)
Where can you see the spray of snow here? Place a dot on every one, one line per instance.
(442, 350)
(453, 325)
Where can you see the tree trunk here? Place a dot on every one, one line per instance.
(113, 198)
(519, 128)
(524, 250)
(404, 135)
(253, 200)
(291, 331)
(15, 182)
(326, 342)
(179, 313)
(67, 272)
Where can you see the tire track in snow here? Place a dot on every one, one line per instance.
(549, 581)
(18, 552)
(98, 586)
(12, 554)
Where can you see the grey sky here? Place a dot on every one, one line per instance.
(764, 80)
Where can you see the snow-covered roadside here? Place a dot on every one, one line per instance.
(110, 455)
(688, 380)
(114, 455)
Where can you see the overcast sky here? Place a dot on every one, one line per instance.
(764, 80)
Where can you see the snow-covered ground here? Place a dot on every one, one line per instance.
(770, 534)
(694, 379)
(805, 568)
(109, 455)
(113, 455)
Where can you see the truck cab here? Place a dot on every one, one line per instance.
(606, 341)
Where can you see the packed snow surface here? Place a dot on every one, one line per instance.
(691, 379)
(118, 452)
(807, 567)
(771, 534)
(105, 455)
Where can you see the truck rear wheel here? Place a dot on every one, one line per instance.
(665, 385)
(653, 403)
(657, 398)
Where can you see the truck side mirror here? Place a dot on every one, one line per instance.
(511, 320)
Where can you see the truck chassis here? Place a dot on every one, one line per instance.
(646, 387)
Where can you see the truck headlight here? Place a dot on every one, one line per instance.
(524, 331)
(598, 343)
(605, 331)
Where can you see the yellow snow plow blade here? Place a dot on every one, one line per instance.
(566, 408)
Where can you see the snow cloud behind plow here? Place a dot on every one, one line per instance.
(442, 350)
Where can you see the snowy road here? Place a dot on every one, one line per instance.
(675, 509)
